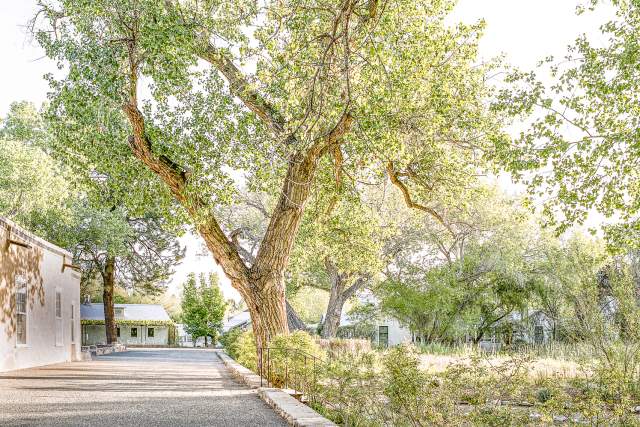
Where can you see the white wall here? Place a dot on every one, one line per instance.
(41, 266)
(95, 334)
(398, 334)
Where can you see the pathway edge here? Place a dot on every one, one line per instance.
(297, 414)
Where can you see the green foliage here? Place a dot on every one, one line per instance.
(309, 303)
(582, 137)
(78, 209)
(246, 351)
(345, 233)
(203, 307)
(464, 276)
(34, 189)
(291, 356)
(229, 342)
(349, 395)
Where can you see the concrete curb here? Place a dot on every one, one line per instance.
(297, 414)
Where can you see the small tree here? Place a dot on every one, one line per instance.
(203, 307)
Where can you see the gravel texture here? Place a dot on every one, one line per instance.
(136, 388)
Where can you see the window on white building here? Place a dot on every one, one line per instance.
(58, 305)
(134, 332)
(151, 332)
(21, 310)
(58, 321)
(73, 325)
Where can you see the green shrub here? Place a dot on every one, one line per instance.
(293, 360)
(229, 340)
(349, 392)
(415, 397)
(245, 348)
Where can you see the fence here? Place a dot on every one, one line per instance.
(290, 368)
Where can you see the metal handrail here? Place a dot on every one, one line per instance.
(301, 381)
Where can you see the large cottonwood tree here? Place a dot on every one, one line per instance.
(269, 90)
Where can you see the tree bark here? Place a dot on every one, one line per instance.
(338, 295)
(268, 311)
(333, 315)
(108, 279)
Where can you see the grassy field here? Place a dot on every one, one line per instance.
(537, 368)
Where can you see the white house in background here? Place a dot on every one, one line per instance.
(387, 331)
(240, 320)
(390, 332)
(138, 324)
(39, 301)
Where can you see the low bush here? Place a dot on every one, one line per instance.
(229, 342)
(293, 360)
(246, 351)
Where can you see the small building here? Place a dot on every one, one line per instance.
(39, 301)
(137, 324)
(389, 332)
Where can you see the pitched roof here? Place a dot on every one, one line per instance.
(234, 321)
(131, 311)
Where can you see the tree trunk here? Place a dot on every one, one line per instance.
(268, 311)
(109, 278)
(334, 311)
(206, 341)
(339, 294)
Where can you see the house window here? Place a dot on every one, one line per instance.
(118, 332)
(134, 332)
(58, 305)
(21, 310)
(73, 323)
(151, 332)
(58, 320)
(383, 336)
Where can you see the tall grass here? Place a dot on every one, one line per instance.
(553, 350)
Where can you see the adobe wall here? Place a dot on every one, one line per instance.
(41, 265)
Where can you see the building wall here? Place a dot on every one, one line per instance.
(398, 334)
(48, 339)
(95, 334)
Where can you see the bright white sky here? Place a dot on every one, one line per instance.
(524, 30)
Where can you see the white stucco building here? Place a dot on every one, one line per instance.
(390, 332)
(39, 301)
(138, 324)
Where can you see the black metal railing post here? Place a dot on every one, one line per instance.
(260, 364)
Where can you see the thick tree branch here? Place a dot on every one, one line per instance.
(243, 89)
(357, 285)
(395, 180)
(274, 251)
(175, 177)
